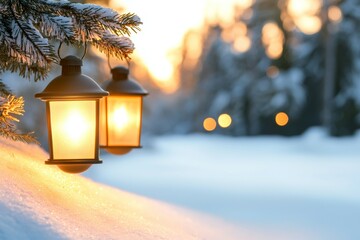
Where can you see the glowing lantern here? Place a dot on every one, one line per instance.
(121, 113)
(72, 107)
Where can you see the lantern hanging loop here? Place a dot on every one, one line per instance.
(109, 64)
(85, 51)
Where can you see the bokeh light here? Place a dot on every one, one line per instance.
(237, 36)
(335, 14)
(272, 72)
(224, 120)
(241, 44)
(209, 124)
(309, 24)
(273, 40)
(281, 119)
(306, 15)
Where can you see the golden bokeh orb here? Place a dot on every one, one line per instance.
(209, 124)
(281, 119)
(224, 120)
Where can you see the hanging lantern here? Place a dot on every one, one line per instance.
(72, 108)
(121, 113)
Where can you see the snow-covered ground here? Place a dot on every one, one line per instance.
(308, 185)
(38, 201)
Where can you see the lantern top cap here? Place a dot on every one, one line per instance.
(120, 71)
(120, 84)
(71, 61)
(72, 86)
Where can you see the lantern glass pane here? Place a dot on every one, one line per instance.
(73, 126)
(124, 120)
(103, 129)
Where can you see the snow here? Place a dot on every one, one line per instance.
(205, 186)
(38, 201)
(306, 185)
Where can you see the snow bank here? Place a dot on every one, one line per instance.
(308, 184)
(38, 201)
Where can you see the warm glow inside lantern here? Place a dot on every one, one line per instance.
(121, 113)
(72, 106)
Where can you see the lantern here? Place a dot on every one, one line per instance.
(72, 108)
(121, 113)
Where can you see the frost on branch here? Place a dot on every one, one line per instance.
(9, 107)
(26, 26)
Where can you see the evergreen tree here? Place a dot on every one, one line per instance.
(251, 85)
(29, 31)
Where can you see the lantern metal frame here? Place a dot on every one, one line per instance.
(121, 85)
(71, 85)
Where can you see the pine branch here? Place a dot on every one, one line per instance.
(26, 26)
(30, 40)
(57, 28)
(89, 20)
(4, 90)
(9, 107)
(120, 47)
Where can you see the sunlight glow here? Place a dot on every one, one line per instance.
(224, 120)
(244, 3)
(163, 31)
(281, 119)
(209, 124)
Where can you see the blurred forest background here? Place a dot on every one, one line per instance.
(296, 57)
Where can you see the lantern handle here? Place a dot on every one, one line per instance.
(85, 50)
(109, 64)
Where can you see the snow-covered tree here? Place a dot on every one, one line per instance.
(30, 31)
(246, 70)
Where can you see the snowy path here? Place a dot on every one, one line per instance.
(40, 202)
(308, 184)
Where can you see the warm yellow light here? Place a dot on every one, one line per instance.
(335, 14)
(309, 24)
(121, 118)
(281, 119)
(224, 120)
(75, 127)
(209, 124)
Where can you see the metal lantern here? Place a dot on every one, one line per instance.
(72, 108)
(121, 113)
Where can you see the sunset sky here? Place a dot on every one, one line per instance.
(166, 22)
